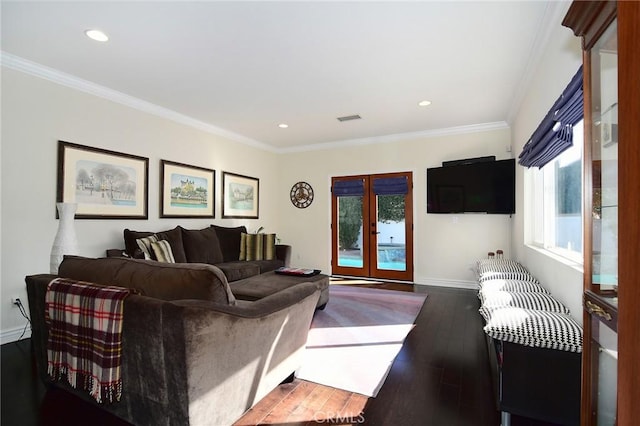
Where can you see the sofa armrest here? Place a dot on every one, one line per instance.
(283, 252)
(116, 253)
(194, 361)
(254, 346)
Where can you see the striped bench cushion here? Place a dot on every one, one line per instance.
(537, 301)
(535, 328)
(512, 285)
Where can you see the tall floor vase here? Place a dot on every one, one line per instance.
(65, 241)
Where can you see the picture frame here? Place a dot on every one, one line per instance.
(186, 191)
(240, 196)
(104, 184)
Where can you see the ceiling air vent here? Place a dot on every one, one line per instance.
(349, 117)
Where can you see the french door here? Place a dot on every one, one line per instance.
(372, 226)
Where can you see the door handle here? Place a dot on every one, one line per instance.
(592, 308)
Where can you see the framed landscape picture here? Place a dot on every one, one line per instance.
(104, 184)
(186, 191)
(240, 196)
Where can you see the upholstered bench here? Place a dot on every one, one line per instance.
(259, 286)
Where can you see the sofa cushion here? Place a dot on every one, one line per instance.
(239, 270)
(173, 236)
(166, 281)
(229, 239)
(202, 246)
(263, 285)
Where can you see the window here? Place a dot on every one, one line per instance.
(556, 201)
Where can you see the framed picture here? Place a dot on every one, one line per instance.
(240, 196)
(186, 191)
(104, 184)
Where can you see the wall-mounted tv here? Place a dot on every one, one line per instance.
(480, 185)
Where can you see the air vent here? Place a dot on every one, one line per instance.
(349, 118)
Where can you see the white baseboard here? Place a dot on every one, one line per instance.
(13, 334)
(441, 282)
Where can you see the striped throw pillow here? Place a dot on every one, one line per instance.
(512, 285)
(162, 251)
(257, 246)
(145, 245)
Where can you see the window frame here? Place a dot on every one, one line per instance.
(542, 185)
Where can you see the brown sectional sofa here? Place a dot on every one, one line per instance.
(214, 245)
(193, 353)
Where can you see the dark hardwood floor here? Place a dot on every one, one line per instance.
(440, 377)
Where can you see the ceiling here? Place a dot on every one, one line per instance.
(240, 68)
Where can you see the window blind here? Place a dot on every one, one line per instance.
(555, 133)
(343, 188)
(390, 186)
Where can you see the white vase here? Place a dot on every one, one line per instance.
(65, 241)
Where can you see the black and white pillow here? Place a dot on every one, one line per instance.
(535, 328)
(512, 285)
(504, 299)
(506, 275)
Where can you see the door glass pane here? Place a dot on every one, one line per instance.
(605, 355)
(605, 165)
(350, 232)
(391, 247)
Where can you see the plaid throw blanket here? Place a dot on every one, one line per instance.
(85, 336)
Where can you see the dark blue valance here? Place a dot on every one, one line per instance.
(343, 188)
(555, 133)
(390, 186)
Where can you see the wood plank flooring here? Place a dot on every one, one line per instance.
(440, 377)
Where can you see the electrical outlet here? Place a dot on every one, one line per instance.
(14, 301)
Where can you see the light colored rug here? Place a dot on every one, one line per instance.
(353, 342)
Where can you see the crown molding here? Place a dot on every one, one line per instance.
(551, 19)
(28, 67)
(399, 137)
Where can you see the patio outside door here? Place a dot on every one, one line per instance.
(372, 226)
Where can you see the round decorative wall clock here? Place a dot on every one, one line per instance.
(301, 195)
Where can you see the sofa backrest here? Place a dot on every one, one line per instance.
(213, 244)
(165, 281)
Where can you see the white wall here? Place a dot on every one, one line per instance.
(557, 66)
(444, 245)
(36, 114)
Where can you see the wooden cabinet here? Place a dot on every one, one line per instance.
(610, 34)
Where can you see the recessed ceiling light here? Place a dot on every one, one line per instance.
(283, 125)
(96, 35)
(424, 103)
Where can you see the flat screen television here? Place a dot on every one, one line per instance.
(469, 186)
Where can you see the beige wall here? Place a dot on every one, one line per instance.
(444, 245)
(558, 65)
(36, 114)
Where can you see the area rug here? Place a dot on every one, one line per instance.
(354, 340)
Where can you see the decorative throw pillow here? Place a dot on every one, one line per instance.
(202, 246)
(504, 299)
(512, 285)
(229, 239)
(257, 246)
(145, 245)
(539, 329)
(162, 251)
(269, 250)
